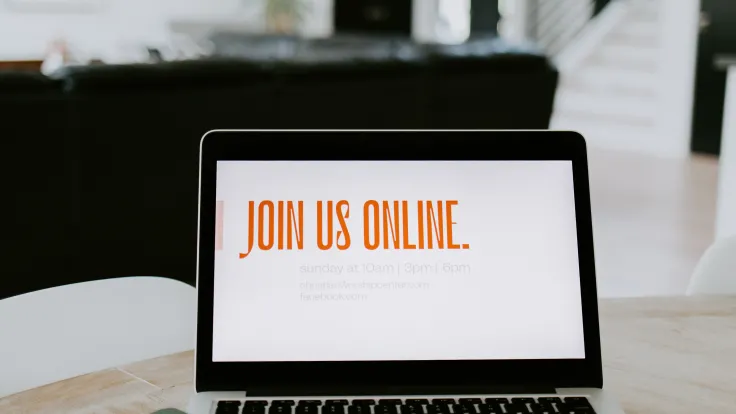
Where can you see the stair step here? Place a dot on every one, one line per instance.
(636, 33)
(610, 136)
(627, 56)
(642, 142)
(570, 122)
(614, 80)
(638, 28)
(616, 91)
(629, 51)
(590, 121)
(629, 39)
(636, 109)
(562, 118)
(648, 5)
(648, 15)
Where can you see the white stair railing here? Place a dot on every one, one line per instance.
(555, 23)
(551, 24)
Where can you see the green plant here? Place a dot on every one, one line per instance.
(294, 10)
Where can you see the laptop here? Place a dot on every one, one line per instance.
(396, 272)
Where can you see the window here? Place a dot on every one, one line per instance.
(453, 21)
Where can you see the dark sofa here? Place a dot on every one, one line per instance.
(101, 162)
(40, 193)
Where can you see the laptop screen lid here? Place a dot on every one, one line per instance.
(369, 261)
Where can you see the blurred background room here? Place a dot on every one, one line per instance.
(111, 97)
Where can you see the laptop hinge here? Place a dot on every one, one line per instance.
(298, 391)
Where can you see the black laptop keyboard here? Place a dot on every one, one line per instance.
(520, 405)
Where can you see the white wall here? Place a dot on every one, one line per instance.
(726, 207)
(679, 31)
(319, 21)
(27, 34)
(515, 23)
(127, 23)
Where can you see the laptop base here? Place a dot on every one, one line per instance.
(600, 402)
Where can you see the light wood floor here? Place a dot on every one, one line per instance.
(653, 218)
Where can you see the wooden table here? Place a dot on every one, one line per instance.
(661, 355)
(33, 65)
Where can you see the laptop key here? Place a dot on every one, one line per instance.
(422, 401)
(443, 401)
(228, 407)
(333, 409)
(538, 408)
(283, 402)
(438, 409)
(549, 400)
(364, 402)
(280, 409)
(254, 408)
(386, 409)
(522, 400)
(464, 409)
(337, 402)
(228, 403)
(359, 409)
(390, 402)
(307, 409)
(497, 400)
(577, 402)
(309, 402)
(517, 409)
(470, 401)
(566, 408)
(489, 409)
(412, 409)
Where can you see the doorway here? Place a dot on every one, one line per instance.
(377, 17)
(717, 37)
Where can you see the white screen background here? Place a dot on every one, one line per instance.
(514, 294)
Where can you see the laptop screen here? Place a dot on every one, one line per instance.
(396, 260)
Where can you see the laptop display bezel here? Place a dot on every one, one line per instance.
(381, 376)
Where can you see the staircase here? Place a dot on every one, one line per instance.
(612, 93)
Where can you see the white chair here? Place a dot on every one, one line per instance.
(67, 331)
(715, 274)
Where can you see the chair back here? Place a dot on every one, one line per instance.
(67, 331)
(715, 273)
